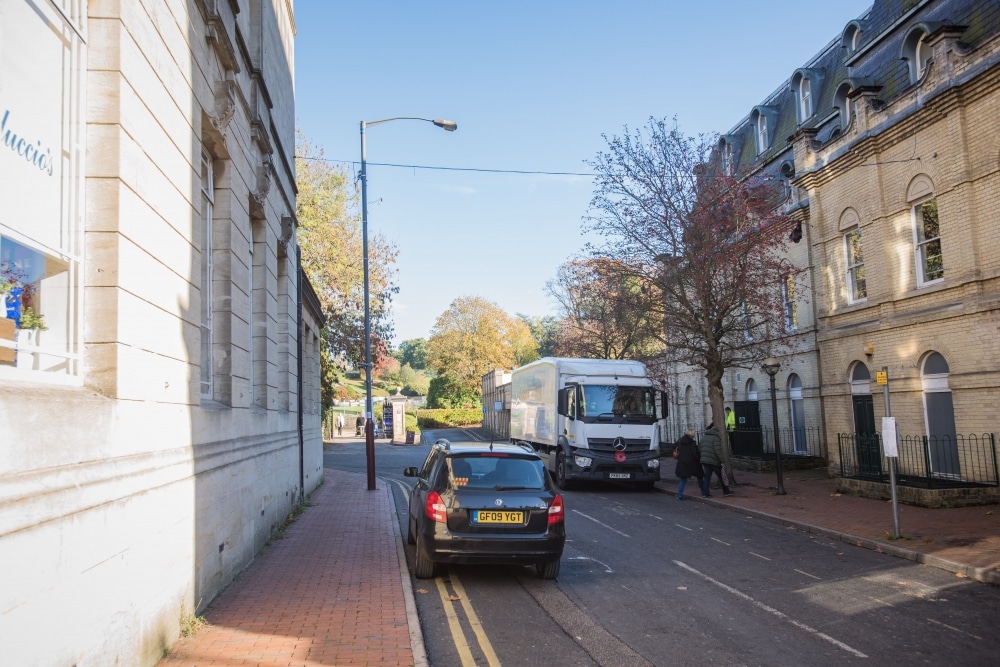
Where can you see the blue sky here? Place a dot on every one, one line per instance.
(533, 85)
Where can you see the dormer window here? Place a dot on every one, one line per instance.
(805, 84)
(805, 99)
(851, 39)
(764, 120)
(916, 51)
(842, 102)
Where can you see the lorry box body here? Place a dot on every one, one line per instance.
(590, 419)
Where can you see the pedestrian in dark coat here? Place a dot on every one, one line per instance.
(710, 449)
(688, 461)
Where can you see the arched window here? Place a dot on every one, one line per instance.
(851, 39)
(939, 414)
(805, 99)
(798, 414)
(842, 102)
(751, 390)
(916, 51)
(860, 379)
(926, 231)
(762, 135)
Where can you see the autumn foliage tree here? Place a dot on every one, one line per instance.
(330, 237)
(471, 337)
(605, 311)
(707, 243)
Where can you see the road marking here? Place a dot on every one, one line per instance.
(721, 542)
(658, 518)
(758, 555)
(963, 632)
(601, 523)
(772, 610)
(690, 530)
(607, 569)
(477, 627)
(809, 575)
(457, 636)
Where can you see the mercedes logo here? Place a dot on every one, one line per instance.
(619, 444)
(498, 502)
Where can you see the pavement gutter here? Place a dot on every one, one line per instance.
(412, 618)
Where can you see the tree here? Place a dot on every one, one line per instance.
(605, 311)
(413, 352)
(544, 330)
(331, 241)
(708, 244)
(473, 336)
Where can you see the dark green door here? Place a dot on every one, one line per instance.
(746, 440)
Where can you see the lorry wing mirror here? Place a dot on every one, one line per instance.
(563, 398)
(664, 411)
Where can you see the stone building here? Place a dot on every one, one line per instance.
(159, 362)
(889, 143)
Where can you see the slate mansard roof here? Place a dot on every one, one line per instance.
(874, 63)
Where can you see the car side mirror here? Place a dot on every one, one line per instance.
(410, 472)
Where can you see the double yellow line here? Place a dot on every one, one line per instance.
(455, 625)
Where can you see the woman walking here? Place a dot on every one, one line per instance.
(688, 461)
(710, 450)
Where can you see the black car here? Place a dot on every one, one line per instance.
(480, 503)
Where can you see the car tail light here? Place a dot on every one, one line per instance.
(436, 511)
(556, 511)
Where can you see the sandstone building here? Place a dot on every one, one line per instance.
(159, 362)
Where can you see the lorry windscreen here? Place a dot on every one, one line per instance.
(616, 403)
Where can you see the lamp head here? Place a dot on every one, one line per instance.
(449, 125)
(771, 366)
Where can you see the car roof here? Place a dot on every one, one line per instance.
(459, 448)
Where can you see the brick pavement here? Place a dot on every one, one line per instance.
(964, 540)
(333, 591)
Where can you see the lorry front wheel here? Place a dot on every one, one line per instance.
(562, 480)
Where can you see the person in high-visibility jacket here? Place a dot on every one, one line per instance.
(730, 420)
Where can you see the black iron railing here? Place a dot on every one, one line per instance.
(758, 443)
(962, 461)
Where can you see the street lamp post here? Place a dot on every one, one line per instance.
(771, 366)
(450, 126)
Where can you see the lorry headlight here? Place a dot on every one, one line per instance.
(585, 461)
(653, 463)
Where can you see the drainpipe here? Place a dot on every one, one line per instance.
(298, 381)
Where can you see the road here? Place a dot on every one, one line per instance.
(650, 580)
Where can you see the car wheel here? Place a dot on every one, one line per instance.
(561, 480)
(423, 567)
(411, 531)
(548, 569)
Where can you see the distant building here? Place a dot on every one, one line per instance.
(159, 358)
(887, 142)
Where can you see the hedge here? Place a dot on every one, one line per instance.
(449, 418)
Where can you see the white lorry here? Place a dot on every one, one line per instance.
(590, 419)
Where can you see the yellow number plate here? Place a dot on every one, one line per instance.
(492, 516)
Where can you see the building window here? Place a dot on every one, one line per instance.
(41, 237)
(761, 133)
(927, 242)
(788, 296)
(805, 100)
(857, 289)
(851, 38)
(917, 52)
(207, 274)
(842, 102)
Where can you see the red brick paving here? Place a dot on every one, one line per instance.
(330, 592)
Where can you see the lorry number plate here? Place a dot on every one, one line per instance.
(619, 475)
